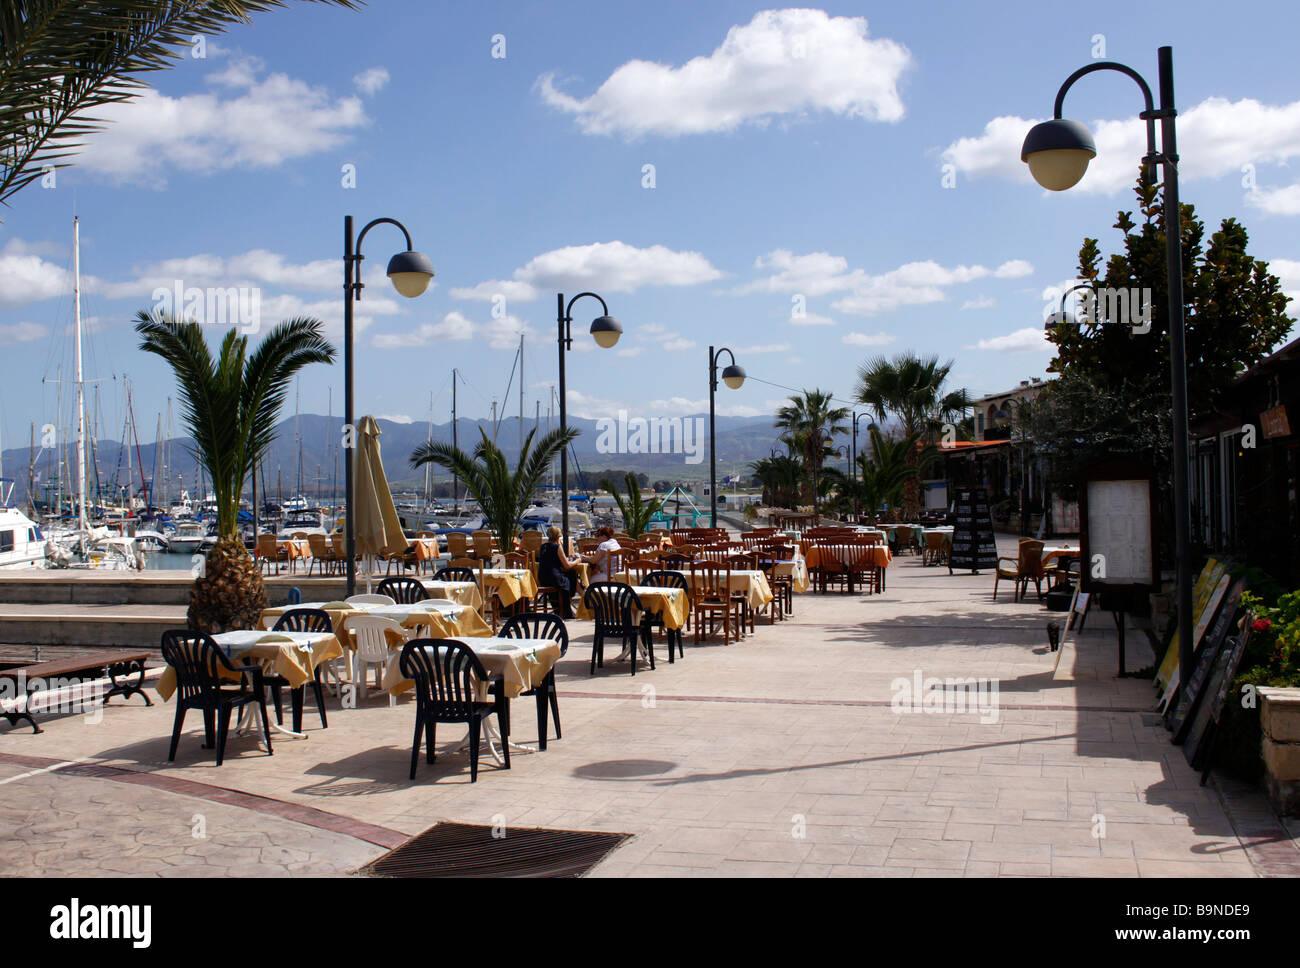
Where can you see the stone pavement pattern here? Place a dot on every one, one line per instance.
(776, 756)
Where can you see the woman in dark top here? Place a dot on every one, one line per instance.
(555, 570)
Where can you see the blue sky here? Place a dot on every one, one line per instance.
(799, 168)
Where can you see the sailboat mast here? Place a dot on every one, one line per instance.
(428, 468)
(455, 487)
(81, 398)
(521, 395)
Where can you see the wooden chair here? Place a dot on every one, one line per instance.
(269, 552)
(587, 545)
(541, 625)
(482, 548)
(711, 596)
(936, 548)
(198, 662)
(457, 544)
(322, 554)
(1026, 567)
(531, 542)
(445, 673)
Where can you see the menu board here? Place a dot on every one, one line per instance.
(1119, 531)
(973, 544)
(1207, 658)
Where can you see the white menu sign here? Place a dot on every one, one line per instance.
(1119, 529)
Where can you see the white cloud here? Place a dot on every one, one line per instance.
(867, 339)
(783, 63)
(763, 348)
(264, 124)
(22, 333)
(631, 351)
(680, 343)
(453, 326)
(1276, 201)
(607, 266)
(28, 277)
(913, 283)
(397, 418)
(1288, 274)
(1027, 340)
(1014, 269)
(982, 302)
(371, 80)
(811, 319)
(1216, 137)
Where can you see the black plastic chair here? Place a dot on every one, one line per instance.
(299, 620)
(540, 625)
(611, 604)
(198, 661)
(444, 672)
(653, 620)
(458, 573)
(403, 591)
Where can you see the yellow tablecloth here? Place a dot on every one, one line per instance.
(522, 663)
(672, 604)
(509, 584)
(751, 582)
(441, 624)
(293, 655)
(797, 569)
(460, 592)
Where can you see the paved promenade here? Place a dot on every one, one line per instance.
(781, 755)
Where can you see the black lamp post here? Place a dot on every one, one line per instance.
(605, 330)
(410, 272)
(734, 377)
(1058, 152)
(853, 463)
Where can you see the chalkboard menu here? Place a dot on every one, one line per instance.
(973, 544)
(1207, 658)
(1209, 715)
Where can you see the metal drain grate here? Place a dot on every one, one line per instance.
(470, 850)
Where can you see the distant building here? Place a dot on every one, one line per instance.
(988, 425)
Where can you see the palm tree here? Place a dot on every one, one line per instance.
(778, 475)
(636, 514)
(502, 496)
(910, 388)
(230, 406)
(61, 61)
(808, 420)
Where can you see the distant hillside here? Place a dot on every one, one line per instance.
(740, 440)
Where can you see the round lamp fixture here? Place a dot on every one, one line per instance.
(1058, 153)
(606, 330)
(1058, 319)
(410, 272)
(734, 376)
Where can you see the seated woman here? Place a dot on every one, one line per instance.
(599, 559)
(555, 570)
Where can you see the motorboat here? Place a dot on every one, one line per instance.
(22, 544)
(188, 537)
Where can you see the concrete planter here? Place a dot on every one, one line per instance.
(1279, 720)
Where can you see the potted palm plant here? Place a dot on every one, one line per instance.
(230, 405)
(503, 496)
(636, 512)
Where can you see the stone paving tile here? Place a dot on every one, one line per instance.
(748, 764)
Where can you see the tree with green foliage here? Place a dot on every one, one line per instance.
(230, 406)
(636, 512)
(808, 420)
(60, 61)
(502, 495)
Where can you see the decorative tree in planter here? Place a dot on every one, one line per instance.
(229, 406)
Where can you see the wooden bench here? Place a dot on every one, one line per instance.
(125, 669)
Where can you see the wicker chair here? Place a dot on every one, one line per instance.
(1027, 566)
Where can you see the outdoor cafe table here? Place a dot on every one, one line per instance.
(1063, 552)
(672, 605)
(509, 585)
(522, 664)
(295, 548)
(293, 655)
(751, 582)
(460, 592)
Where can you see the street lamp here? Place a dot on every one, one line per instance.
(853, 462)
(1058, 152)
(605, 330)
(1064, 318)
(410, 272)
(734, 377)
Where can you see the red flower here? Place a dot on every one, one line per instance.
(1263, 625)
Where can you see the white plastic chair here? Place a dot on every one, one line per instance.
(371, 633)
(370, 600)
